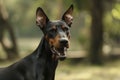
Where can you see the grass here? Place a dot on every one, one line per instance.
(82, 71)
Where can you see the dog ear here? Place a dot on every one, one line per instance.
(41, 18)
(67, 16)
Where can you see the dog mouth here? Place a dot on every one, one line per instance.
(60, 53)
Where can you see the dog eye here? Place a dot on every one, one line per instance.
(52, 33)
(65, 29)
(53, 30)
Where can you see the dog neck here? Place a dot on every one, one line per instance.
(44, 52)
(43, 49)
(44, 60)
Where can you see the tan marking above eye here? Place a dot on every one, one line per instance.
(63, 27)
(51, 41)
(54, 27)
(68, 36)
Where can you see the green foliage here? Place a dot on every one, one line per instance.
(82, 4)
(112, 23)
(82, 39)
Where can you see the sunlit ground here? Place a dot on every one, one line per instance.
(82, 71)
(70, 71)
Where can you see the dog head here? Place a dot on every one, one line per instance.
(57, 33)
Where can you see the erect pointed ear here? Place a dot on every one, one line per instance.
(67, 16)
(41, 18)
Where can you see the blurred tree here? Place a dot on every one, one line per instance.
(97, 11)
(12, 50)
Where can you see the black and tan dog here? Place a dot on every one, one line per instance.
(42, 63)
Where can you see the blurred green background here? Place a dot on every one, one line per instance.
(95, 36)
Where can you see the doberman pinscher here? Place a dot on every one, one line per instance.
(42, 63)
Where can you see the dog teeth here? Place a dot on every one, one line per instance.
(56, 51)
(65, 49)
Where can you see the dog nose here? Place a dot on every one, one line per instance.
(63, 41)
